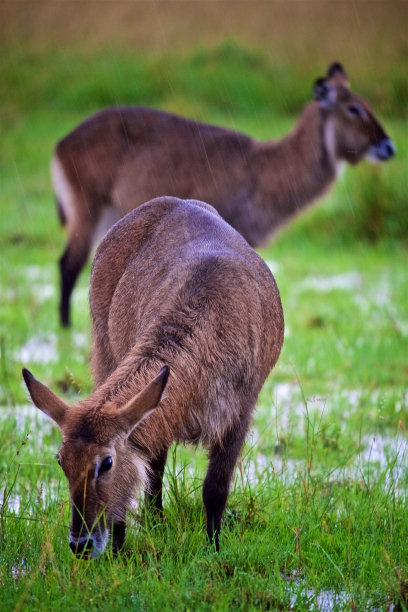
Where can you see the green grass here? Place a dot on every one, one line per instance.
(317, 512)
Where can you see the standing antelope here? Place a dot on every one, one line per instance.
(173, 289)
(121, 157)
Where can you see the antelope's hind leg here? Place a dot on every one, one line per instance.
(71, 263)
(223, 457)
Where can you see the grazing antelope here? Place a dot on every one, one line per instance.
(174, 289)
(121, 157)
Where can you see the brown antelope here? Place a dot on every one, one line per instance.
(121, 157)
(173, 289)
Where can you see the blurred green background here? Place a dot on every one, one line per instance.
(248, 64)
(289, 41)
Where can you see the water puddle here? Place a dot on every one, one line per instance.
(80, 340)
(30, 419)
(290, 411)
(38, 349)
(19, 570)
(47, 348)
(27, 504)
(324, 601)
(349, 281)
(37, 274)
(12, 500)
(383, 454)
(30, 426)
(293, 414)
(41, 282)
(264, 454)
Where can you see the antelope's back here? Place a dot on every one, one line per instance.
(173, 277)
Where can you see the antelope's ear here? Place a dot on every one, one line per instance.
(144, 402)
(337, 75)
(45, 399)
(325, 92)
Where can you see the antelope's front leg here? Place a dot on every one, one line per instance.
(118, 536)
(154, 496)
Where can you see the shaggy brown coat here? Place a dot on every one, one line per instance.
(173, 289)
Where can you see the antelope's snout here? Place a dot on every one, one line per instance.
(383, 151)
(82, 547)
(88, 546)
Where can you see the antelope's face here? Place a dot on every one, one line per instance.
(352, 130)
(101, 483)
(102, 470)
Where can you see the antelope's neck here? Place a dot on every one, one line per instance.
(124, 382)
(296, 170)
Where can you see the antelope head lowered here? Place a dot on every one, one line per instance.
(180, 304)
(95, 457)
(123, 156)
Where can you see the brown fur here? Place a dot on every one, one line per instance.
(172, 285)
(123, 156)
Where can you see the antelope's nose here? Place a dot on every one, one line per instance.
(81, 546)
(386, 149)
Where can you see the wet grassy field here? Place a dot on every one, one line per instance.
(317, 514)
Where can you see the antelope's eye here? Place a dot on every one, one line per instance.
(355, 110)
(58, 459)
(105, 466)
